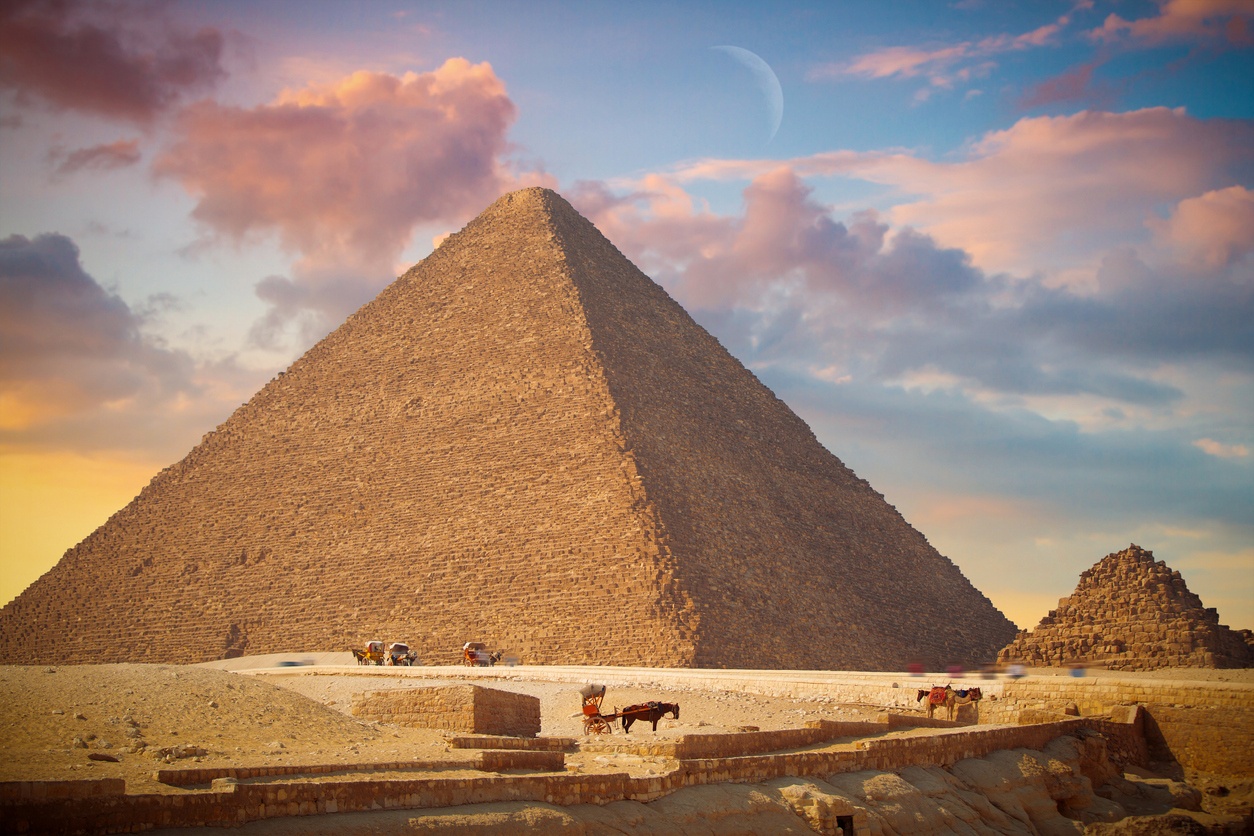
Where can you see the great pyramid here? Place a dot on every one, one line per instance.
(1131, 612)
(525, 441)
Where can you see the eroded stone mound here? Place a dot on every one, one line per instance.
(1131, 612)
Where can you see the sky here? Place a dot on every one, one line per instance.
(999, 255)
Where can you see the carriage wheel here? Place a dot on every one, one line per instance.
(596, 725)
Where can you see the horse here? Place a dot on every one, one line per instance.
(360, 656)
(650, 711)
(947, 697)
(957, 698)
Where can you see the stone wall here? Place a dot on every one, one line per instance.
(462, 708)
(57, 791)
(1098, 694)
(205, 775)
(689, 746)
(1200, 725)
(1215, 740)
(237, 804)
(530, 744)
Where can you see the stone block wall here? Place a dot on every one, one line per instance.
(697, 746)
(1216, 740)
(204, 775)
(44, 791)
(506, 760)
(530, 744)
(462, 708)
(238, 804)
(538, 760)
(1100, 694)
(1201, 725)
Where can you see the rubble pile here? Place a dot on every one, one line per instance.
(1131, 612)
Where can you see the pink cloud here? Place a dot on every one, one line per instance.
(1074, 183)
(1215, 229)
(1043, 187)
(1047, 191)
(903, 61)
(784, 246)
(344, 172)
(120, 154)
(1075, 85)
(120, 61)
(941, 66)
(1221, 21)
(1223, 451)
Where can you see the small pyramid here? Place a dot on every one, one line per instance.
(1131, 612)
(522, 441)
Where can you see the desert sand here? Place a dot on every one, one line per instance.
(54, 717)
(126, 721)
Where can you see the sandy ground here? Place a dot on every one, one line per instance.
(126, 721)
(55, 719)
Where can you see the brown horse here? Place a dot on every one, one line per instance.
(649, 711)
(947, 697)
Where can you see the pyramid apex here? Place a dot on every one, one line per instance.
(530, 205)
(531, 198)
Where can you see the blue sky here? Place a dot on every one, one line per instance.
(999, 255)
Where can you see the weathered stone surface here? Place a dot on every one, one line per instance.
(1131, 612)
(464, 708)
(525, 441)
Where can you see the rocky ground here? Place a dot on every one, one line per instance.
(126, 721)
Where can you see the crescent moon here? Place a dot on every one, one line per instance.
(765, 79)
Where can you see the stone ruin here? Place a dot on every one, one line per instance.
(464, 708)
(525, 441)
(1131, 612)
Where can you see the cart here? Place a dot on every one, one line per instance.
(476, 655)
(594, 722)
(400, 654)
(372, 655)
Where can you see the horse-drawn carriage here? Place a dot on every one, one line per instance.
(400, 654)
(372, 655)
(476, 654)
(594, 722)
